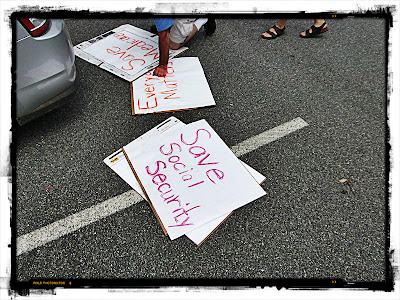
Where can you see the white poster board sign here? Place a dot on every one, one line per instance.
(184, 87)
(199, 234)
(191, 177)
(119, 164)
(117, 160)
(126, 51)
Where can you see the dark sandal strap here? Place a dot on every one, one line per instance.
(278, 30)
(271, 33)
(315, 30)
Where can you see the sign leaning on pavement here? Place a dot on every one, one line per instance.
(184, 87)
(126, 51)
(119, 164)
(191, 177)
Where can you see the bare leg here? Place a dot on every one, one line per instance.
(175, 46)
(280, 24)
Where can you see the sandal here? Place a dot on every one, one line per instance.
(315, 31)
(273, 35)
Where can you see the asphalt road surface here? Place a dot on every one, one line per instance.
(309, 224)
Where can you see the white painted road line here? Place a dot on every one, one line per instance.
(268, 136)
(73, 222)
(53, 231)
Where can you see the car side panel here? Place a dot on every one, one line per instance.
(45, 67)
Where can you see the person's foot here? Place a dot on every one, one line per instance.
(318, 27)
(273, 32)
(210, 26)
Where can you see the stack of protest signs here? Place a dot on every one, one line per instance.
(188, 175)
(130, 52)
(126, 51)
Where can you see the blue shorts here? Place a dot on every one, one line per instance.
(163, 23)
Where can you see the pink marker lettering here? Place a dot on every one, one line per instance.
(165, 199)
(175, 199)
(182, 224)
(197, 137)
(164, 184)
(218, 173)
(160, 177)
(200, 182)
(203, 164)
(185, 212)
(179, 169)
(171, 147)
(158, 167)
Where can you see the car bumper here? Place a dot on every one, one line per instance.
(47, 106)
(46, 76)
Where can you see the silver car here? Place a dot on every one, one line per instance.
(45, 66)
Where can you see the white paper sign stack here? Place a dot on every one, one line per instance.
(191, 179)
(126, 51)
(132, 53)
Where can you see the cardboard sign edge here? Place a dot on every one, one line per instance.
(145, 193)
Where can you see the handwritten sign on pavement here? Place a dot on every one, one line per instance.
(184, 87)
(126, 51)
(119, 164)
(191, 177)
